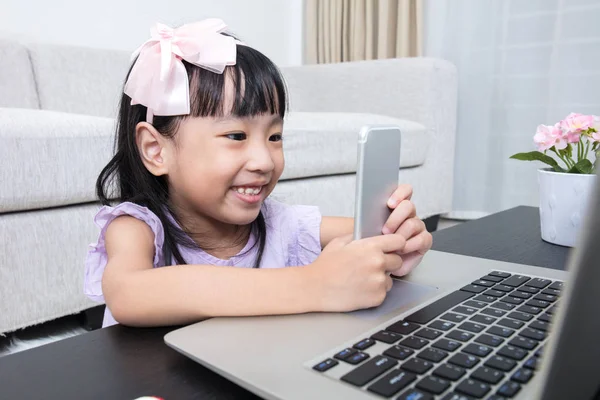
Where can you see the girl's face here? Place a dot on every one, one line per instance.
(224, 168)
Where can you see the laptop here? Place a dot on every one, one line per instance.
(456, 328)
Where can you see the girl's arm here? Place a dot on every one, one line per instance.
(139, 295)
(333, 227)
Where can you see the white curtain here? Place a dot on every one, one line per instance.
(520, 63)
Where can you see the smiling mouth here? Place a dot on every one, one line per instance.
(248, 190)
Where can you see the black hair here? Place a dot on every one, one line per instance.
(259, 89)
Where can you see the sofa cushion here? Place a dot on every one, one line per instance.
(317, 144)
(17, 84)
(79, 80)
(51, 158)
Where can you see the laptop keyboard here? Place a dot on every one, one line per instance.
(482, 341)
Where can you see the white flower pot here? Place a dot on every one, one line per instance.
(563, 203)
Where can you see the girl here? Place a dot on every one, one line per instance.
(198, 151)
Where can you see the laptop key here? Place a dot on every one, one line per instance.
(464, 360)
(545, 317)
(500, 274)
(540, 325)
(453, 317)
(513, 352)
(524, 343)
(433, 385)
(530, 309)
(501, 363)
(471, 327)
(539, 351)
(417, 366)
(476, 304)
(428, 333)
(516, 280)
(398, 352)
(482, 282)
(539, 283)
(325, 365)
(442, 325)
(492, 278)
(370, 370)
(447, 345)
(522, 375)
(414, 394)
(545, 297)
(465, 310)
(503, 288)
(531, 363)
(489, 340)
(344, 354)
(364, 344)
(552, 309)
(512, 300)
(521, 295)
(537, 303)
(556, 285)
(473, 288)
(460, 335)
(473, 388)
(493, 312)
(499, 331)
(483, 319)
(529, 289)
(414, 343)
(511, 323)
(509, 389)
(386, 337)
(429, 312)
(478, 350)
(403, 327)
(392, 383)
(433, 355)
(487, 299)
(357, 358)
(488, 375)
(520, 316)
(496, 397)
(533, 334)
(456, 396)
(493, 293)
(552, 292)
(450, 372)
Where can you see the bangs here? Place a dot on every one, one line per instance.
(257, 85)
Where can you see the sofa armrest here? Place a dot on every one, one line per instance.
(50, 158)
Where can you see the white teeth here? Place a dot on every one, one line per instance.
(248, 191)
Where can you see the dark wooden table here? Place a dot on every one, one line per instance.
(124, 363)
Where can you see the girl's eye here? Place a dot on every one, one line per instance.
(237, 136)
(276, 138)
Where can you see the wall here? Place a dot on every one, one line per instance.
(272, 26)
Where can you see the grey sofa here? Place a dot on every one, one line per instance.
(57, 108)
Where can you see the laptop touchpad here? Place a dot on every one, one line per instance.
(402, 295)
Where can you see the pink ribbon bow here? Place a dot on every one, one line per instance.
(159, 81)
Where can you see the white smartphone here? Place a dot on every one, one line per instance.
(376, 177)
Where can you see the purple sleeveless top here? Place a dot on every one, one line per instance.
(293, 239)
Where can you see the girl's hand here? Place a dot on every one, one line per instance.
(350, 275)
(404, 222)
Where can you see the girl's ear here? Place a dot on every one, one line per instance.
(152, 147)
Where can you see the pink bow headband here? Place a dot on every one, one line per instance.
(159, 80)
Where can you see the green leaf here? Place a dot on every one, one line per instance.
(538, 156)
(582, 167)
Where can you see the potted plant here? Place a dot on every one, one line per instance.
(571, 148)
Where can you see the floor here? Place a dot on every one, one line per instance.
(73, 325)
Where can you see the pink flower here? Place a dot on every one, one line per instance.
(548, 136)
(596, 126)
(575, 123)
